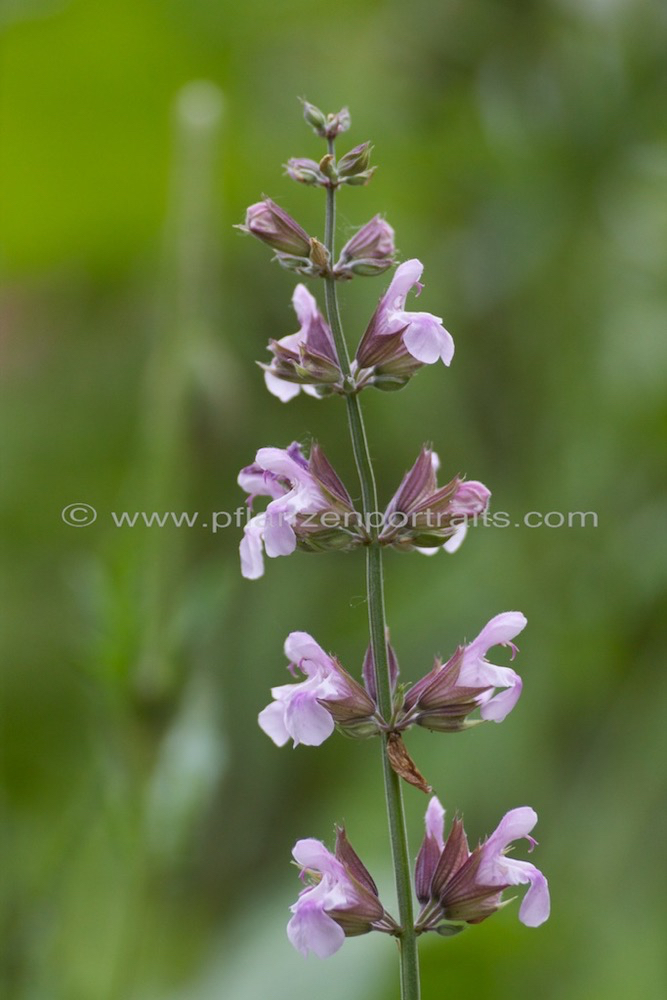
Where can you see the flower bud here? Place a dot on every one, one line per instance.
(274, 226)
(370, 251)
(314, 117)
(305, 171)
(326, 126)
(358, 180)
(340, 122)
(356, 161)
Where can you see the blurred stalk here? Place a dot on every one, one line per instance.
(176, 768)
(188, 312)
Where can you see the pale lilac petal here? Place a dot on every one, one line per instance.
(305, 306)
(306, 720)
(454, 543)
(515, 824)
(536, 904)
(500, 705)
(435, 821)
(280, 462)
(272, 721)
(310, 390)
(257, 482)
(406, 276)
(470, 499)
(293, 341)
(279, 537)
(278, 387)
(426, 338)
(252, 561)
(476, 672)
(310, 929)
(498, 869)
(500, 630)
(301, 646)
(311, 853)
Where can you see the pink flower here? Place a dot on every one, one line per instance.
(443, 699)
(456, 886)
(428, 517)
(306, 171)
(302, 491)
(341, 901)
(307, 712)
(305, 359)
(476, 670)
(497, 869)
(421, 334)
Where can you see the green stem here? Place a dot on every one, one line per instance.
(378, 631)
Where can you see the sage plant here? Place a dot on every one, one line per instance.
(309, 508)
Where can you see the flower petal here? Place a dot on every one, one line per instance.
(515, 824)
(310, 929)
(454, 543)
(282, 463)
(252, 560)
(406, 276)
(278, 387)
(306, 720)
(426, 338)
(311, 853)
(301, 646)
(536, 904)
(500, 630)
(272, 721)
(305, 306)
(279, 537)
(500, 705)
(435, 821)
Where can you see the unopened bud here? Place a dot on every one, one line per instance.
(366, 268)
(370, 251)
(274, 226)
(358, 180)
(314, 117)
(374, 241)
(356, 161)
(305, 171)
(340, 122)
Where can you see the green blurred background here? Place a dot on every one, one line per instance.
(148, 821)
